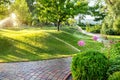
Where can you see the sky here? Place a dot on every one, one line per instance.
(91, 2)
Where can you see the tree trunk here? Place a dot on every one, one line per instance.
(58, 25)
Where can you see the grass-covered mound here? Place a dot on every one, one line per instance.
(37, 44)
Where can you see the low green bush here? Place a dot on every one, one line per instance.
(110, 31)
(110, 28)
(115, 50)
(116, 26)
(93, 29)
(114, 76)
(114, 58)
(104, 27)
(90, 65)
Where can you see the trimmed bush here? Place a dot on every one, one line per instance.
(114, 76)
(90, 65)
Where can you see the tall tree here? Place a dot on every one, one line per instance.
(4, 8)
(111, 21)
(20, 8)
(57, 11)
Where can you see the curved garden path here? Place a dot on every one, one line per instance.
(56, 69)
(100, 39)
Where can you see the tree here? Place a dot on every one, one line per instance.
(30, 4)
(113, 16)
(4, 8)
(57, 11)
(4, 1)
(97, 10)
(20, 8)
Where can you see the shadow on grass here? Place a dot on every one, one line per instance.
(18, 50)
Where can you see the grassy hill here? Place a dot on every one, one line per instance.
(37, 44)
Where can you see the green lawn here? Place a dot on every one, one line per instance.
(38, 44)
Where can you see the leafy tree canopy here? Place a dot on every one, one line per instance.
(57, 11)
(4, 8)
(97, 10)
(112, 19)
(21, 9)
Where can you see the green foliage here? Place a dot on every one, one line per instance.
(4, 8)
(116, 26)
(59, 11)
(114, 76)
(90, 65)
(110, 31)
(107, 28)
(3, 11)
(20, 8)
(97, 10)
(114, 58)
(82, 25)
(94, 29)
(115, 50)
(4, 1)
(112, 20)
(104, 27)
(71, 21)
(30, 5)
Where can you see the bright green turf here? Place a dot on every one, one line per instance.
(38, 44)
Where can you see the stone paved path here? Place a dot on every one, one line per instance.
(56, 69)
(100, 39)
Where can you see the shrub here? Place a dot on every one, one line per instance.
(111, 26)
(114, 58)
(82, 25)
(88, 29)
(116, 25)
(104, 27)
(90, 65)
(71, 22)
(110, 31)
(115, 50)
(114, 76)
(93, 29)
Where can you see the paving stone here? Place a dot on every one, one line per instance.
(56, 69)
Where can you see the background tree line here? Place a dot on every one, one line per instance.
(37, 12)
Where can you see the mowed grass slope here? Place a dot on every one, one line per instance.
(37, 44)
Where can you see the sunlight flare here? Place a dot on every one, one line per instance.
(13, 15)
(10, 21)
